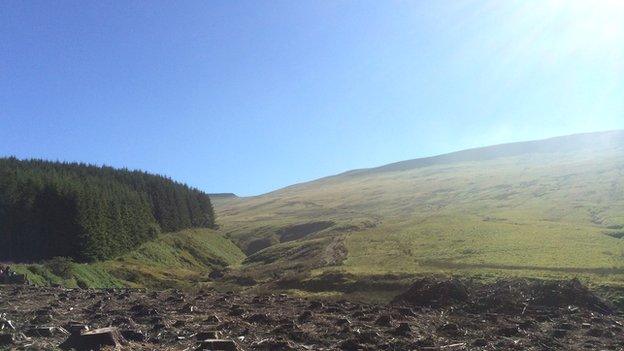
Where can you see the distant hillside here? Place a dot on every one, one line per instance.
(550, 207)
(50, 209)
(221, 195)
(562, 144)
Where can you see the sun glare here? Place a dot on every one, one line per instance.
(595, 22)
(551, 32)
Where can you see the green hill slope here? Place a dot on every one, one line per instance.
(182, 259)
(547, 208)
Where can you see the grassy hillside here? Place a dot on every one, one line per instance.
(178, 259)
(182, 259)
(549, 209)
(552, 208)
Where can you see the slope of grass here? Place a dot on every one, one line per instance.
(545, 213)
(188, 249)
(539, 212)
(172, 260)
(79, 275)
(178, 259)
(473, 246)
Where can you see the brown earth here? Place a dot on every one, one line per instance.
(433, 314)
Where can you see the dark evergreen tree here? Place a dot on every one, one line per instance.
(88, 213)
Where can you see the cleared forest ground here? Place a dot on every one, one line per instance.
(432, 315)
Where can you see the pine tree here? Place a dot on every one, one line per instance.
(88, 213)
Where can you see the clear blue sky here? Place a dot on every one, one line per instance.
(250, 96)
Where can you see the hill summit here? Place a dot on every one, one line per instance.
(552, 207)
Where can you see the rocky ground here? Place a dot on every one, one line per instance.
(432, 315)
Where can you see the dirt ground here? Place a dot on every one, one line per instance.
(432, 315)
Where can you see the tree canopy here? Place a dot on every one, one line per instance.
(88, 213)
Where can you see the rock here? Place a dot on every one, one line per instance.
(217, 274)
(217, 345)
(433, 292)
(450, 329)
(315, 305)
(236, 311)
(332, 309)
(425, 342)
(212, 319)
(141, 310)
(285, 328)
(298, 335)
(244, 281)
(6, 339)
(133, 335)
(258, 301)
(44, 332)
(595, 332)
(6, 324)
(350, 345)
(94, 339)
(76, 328)
(504, 344)
(407, 312)
(403, 329)
(597, 320)
(43, 311)
(159, 326)
(274, 345)
(508, 331)
(569, 293)
(384, 321)
(306, 316)
(123, 320)
(479, 343)
(559, 333)
(206, 335)
(368, 337)
(42, 319)
(343, 321)
(358, 314)
(527, 325)
(259, 318)
(567, 326)
(188, 308)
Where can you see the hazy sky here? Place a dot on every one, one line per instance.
(250, 96)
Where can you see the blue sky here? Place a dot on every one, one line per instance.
(250, 96)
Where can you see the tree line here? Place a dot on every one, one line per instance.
(88, 213)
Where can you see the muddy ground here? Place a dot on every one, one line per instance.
(432, 315)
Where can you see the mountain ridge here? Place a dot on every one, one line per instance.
(495, 151)
(455, 156)
(523, 209)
